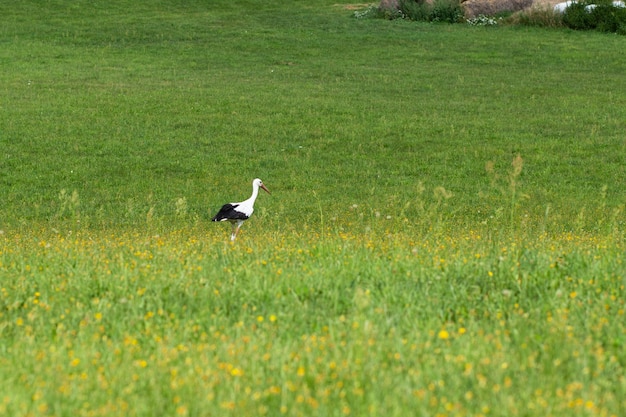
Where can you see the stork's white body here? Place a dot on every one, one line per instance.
(238, 213)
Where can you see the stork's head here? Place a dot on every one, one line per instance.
(258, 183)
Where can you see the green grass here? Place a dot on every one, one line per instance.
(136, 110)
(183, 323)
(445, 234)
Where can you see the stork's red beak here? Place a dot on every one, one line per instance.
(266, 190)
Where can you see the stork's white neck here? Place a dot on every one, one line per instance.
(255, 193)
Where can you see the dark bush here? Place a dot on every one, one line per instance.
(448, 11)
(415, 10)
(603, 17)
(609, 18)
(577, 17)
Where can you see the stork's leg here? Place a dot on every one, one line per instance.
(233, 236)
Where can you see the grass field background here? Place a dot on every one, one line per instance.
(445, 234)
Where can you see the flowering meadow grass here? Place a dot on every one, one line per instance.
(445, 234)
(454, 324)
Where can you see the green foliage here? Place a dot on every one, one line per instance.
(482, 20)
(448, 11)
(602, 17)
(610, 18)
(419, 11)
(577, 17)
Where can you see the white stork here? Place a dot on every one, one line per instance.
(237, 213)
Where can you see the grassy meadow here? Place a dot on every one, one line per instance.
(445, 234)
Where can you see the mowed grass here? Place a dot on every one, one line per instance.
(445, 234)
(135, 106)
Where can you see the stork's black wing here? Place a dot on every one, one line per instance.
(229, 212)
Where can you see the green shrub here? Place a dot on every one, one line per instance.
(577, 17)
(417, 10)
(603, 17)
(448, 11)
(609, 18)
